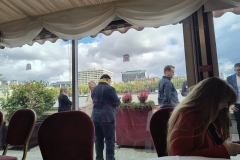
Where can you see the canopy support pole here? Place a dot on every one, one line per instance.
(75, 75)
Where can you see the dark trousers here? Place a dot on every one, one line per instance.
(237, 117)
(107, 131)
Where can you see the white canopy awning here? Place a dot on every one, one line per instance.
(22, 21)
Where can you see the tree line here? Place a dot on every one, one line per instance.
(134, 86)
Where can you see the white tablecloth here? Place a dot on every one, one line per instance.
(185, 158)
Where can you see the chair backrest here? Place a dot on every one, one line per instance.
(1, 119)
(66, 135)
(20, 127)
(158, 129)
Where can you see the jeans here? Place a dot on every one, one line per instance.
(107, 131)
(237, 117)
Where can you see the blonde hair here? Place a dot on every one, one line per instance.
(203, 100)
(91, 84)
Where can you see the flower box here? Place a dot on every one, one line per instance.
(132, 127)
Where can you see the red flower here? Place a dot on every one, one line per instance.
(143, 96)
(127, 97)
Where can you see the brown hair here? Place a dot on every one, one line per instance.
(203, 100)
(62, 89)
(92, 83)
(168, 68)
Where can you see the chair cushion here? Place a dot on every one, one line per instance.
(21, 123)
(2, 157)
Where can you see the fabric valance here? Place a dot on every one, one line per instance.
(80, 22)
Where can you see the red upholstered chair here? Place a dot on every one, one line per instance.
(67, 136)
(2, 157)
(158, 129)
(20, 129)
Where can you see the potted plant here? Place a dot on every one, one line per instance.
(133, 118)
(33, 95)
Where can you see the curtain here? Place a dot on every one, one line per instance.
(85, 21)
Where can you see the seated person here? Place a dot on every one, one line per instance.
(199, 125)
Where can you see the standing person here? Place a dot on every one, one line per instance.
(63, 101)
(234, 81)
(88, 106)
(105, 101)
(199, 125)
(167, 94)
(184, 90)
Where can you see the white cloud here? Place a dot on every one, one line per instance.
(235, 26)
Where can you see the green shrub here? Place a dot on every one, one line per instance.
(33, 95)
(137, 105)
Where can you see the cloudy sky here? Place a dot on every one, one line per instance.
(150, 50)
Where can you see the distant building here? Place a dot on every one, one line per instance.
(61, 84)
(93, 74)
(14, 82)
(28, 66)
(130, 76)
(155, 79)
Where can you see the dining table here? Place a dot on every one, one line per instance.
(186, 158)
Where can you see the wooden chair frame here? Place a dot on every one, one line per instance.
(27, 141)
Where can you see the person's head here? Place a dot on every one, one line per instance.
(91, 85)
(106, 77)
(169, 71)
(237, 69)
(64, 90)
(209, 100)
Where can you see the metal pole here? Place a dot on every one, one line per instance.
(75, 74)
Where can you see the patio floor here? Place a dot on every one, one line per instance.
(120, 153)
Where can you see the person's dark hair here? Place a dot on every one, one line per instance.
(237, 65)
(168, 68)
(105, 76)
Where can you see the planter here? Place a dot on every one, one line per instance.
(32, 142)
(132, 127)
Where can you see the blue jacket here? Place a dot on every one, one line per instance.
(167, 94)
(105, 101)
(233, 82)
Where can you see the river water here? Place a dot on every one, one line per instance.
(152, 97)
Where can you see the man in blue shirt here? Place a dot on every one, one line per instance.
(167, 93)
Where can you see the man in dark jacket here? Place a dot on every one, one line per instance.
(234, 81)
(105, 101)
(167, 94)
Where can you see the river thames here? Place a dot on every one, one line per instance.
(151, 96)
